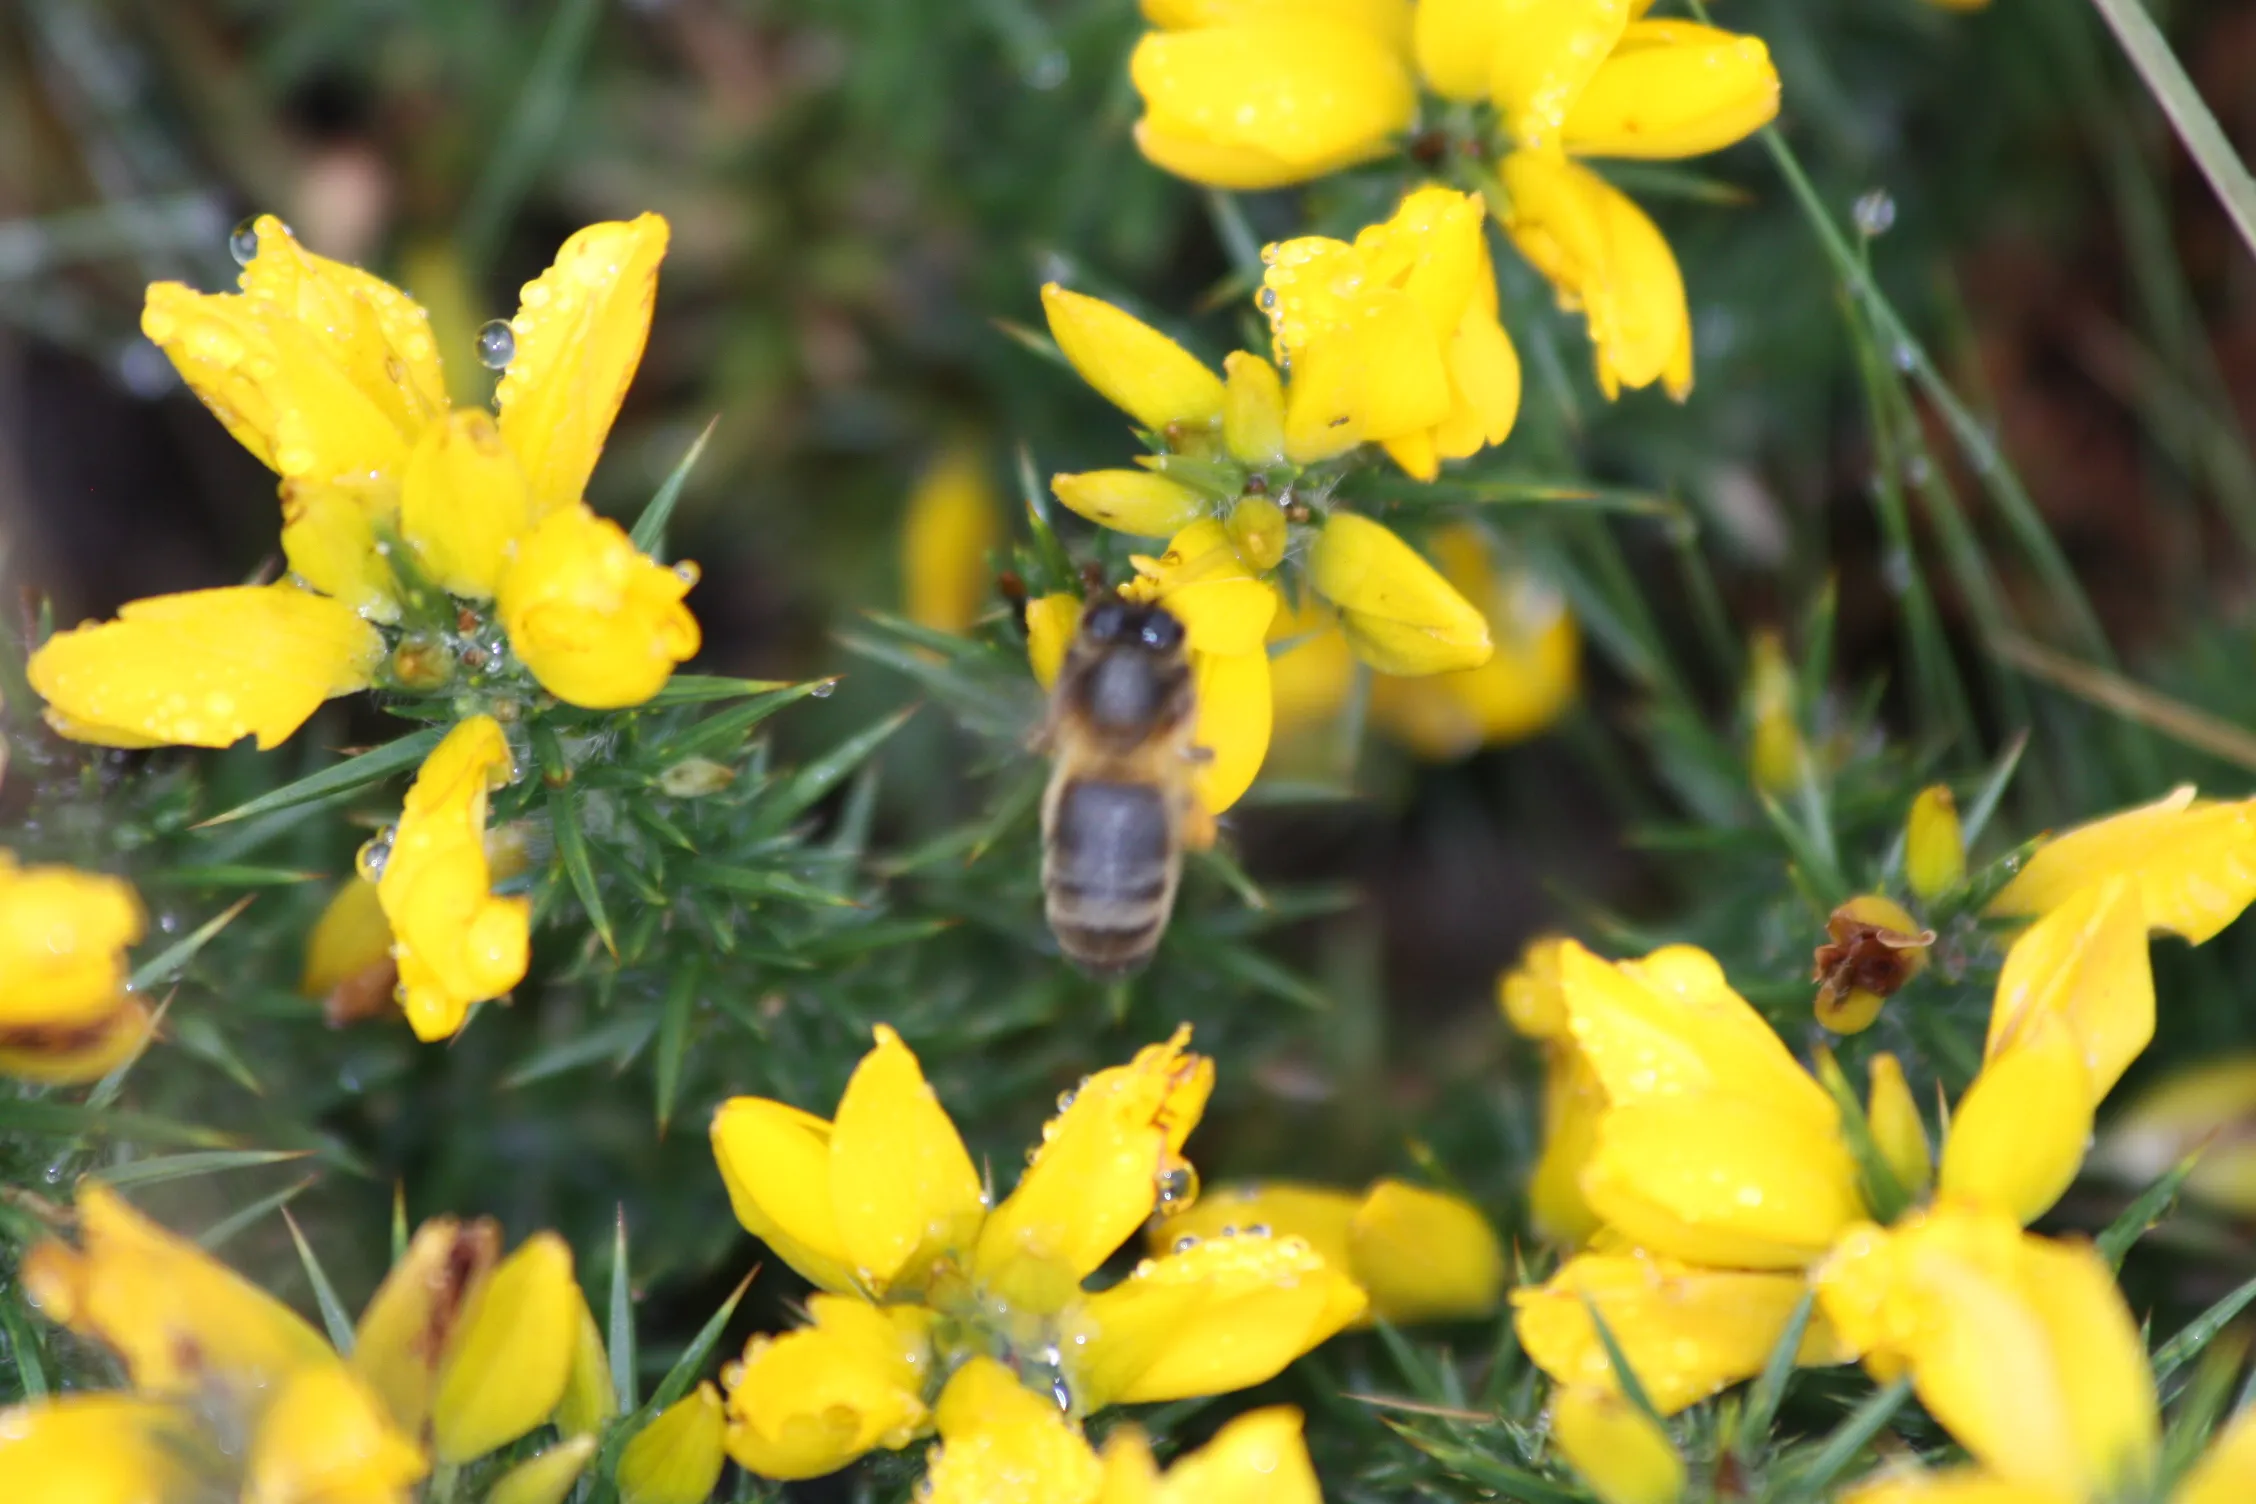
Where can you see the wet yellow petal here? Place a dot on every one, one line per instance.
(1456, 42)
(1268, 101)
(455, 941)
(902, 1186)
(1687, 1331)
(1222, 1315)
(1573, 1102)
(810, 1401)
(1235, 717)
(546, 1478)
(1673, 89)
(2226, 1472)
(325, 1436)
(2192, 860)
(1000, 1443)
(410, 1324)
(1094, 1178)
(579, 332)
(177, 1318)
(1253, 410)
(205, 668)
(597, 622)
(1615, 1447)
(1897, 1129)
(329, 535)
(677, 1458)
(1401, 616)
(1134, 366)
(1934, 845)
(1130, 501)
(775, 1161)
(1224, 608)
(464, 504)
(507, 1367)
(2017, 1137)
(2085, 965)
(1605, 259)
(2211, 1106)
(589, 1401)
(953, 523)
(63, 935)
(1258, 1458)
(89, 1448)
(1548, 52)
(1318, 1215)
(1051, 621)
(1424, 1256)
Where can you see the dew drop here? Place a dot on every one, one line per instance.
(497, 345)
(242, 242)
(1874, 213)
(377, 851)
(1065, 1100)
(1177, 1188)
(1257, 1230)
(1062, 1393)
(687, 573)
(1184, 1244)
(824, 690)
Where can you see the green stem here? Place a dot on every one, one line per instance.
(2204, 139)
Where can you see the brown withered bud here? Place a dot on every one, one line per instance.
(1875, 947)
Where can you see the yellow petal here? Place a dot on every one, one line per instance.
(902, 1186)
(177, 1318)
(1134, 366)
(1051, 621)
(1484, 377)
(1130, 501)
(1673, 89)
(546, 1478)
(1934, 846)
(1722, 1180)
(1258, 531)
(92, 1448)
(329, 535)
(1615, 1447)
(589, 1401)
(2085, 965)
(1897, 1129)
(1317, 1215)
(1235, 716)
(1205, 585)
(953, 524)
(775, 1161)
(506, 1369)
(456, 943)
(324, 1436)
(2191, 860)
(597, 622)
(1456, 42)
(1094, 1179)
(1253, 411)
(205, 668)
(1000, 1443)
(1268, 101)
(1324, 403)
(79, 1053)
(2226, 1472)
(1530, 993)
(2018, 1135)
(1687, 1331)
(1258, 1458)
(63, 935)
(349, 953)
(1548, 53)
(810, 1401)
(411, 1323)
(1573, 1102)
(677, 1458)
(1424, 1256)
(1224, 1314)
(1525, 686)
(579, 332)
(464, 505)
(1401, 616)
(1606, 259)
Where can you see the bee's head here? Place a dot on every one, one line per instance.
(1113, 622)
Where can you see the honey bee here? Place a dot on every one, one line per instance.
(1113, 818)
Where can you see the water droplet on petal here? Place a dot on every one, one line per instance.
(687, 573)
(1184, 1244)
(497, 345)
(242, 242)
(370, 860)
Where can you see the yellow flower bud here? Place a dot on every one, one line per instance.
(677, 1458)
(92, 1448)
(1132, 365)
(455, 942)
(578, 336)
(1775, 753)
(348, 963)
(589, 1400)
(547, 1478)
(1673, 89)
(1257, 531)
(326, 1436)
(506, 1370)
(411, 1323)
(1253, 410)
(1270, 100)
(464, 504)
(1897, 1129)
(810, 1401)
(1130, 501)
(1050, 624)
(64, 1011)
(1401, 616)
(1616, 1448)
(599, 624)
(1934, 847)
(1001, 1441)
(1873, 948)
(205, 668)
(952, 526)
(1607, 260)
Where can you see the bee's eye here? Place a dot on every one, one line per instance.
(1161, 631)
(1105, 621)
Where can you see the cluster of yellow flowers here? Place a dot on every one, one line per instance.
(433, 551)
(1705, 1183)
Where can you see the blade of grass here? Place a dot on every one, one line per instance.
(649, 535)
(2165, 79)
(2200, 1332)
(2110, 691)
(2150, 1207)
(1850, 1438)
(163, 1167)
(333, 1314)
(622, 1327)
(335, 782)
(174, 958)
(225, 1229)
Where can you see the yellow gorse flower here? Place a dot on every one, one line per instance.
(954, 521)
(2194, 861)
(1616, 1448)
(65, 1014)
(882, 1208)
(677, 1458)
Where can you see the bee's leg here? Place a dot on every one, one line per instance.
(1198, 826)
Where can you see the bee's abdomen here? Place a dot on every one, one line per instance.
(1109, 862)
